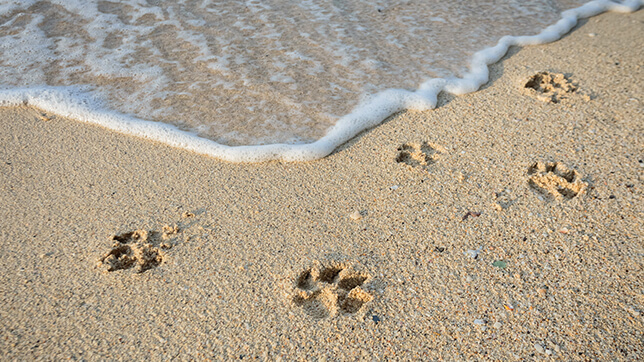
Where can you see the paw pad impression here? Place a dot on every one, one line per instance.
(331, 290)
(554, 180)
(419, 154)
(550, 87)
(139, 249)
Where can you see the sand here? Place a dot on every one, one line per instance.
(505, 224)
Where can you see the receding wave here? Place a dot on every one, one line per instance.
(260, 80)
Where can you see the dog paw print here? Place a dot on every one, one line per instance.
(419, 154)
(139, 249)
(329, 291)
(550, 87)
(554, 180)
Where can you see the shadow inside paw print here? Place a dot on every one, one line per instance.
(138, 249)
(328, 291)
(554, 180)
(419, 154)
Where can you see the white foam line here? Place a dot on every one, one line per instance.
(71, 103)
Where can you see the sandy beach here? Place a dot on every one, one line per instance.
(504, 225)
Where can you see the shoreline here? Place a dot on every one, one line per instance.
(446, 229)
(72, 103)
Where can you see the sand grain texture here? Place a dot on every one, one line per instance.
(559, 277)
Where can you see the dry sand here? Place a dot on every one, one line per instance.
(506, 224)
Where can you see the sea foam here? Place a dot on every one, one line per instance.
(81, 103)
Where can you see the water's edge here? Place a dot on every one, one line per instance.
(74, 104)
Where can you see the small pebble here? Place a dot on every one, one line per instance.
(473, 253)
(45, 118)
(356, 215)
(549, 352)
(376, 319)
(542, 292)
(497, 325)
(592, 35)
(469, 279)
(394, 187)
(479, 322)
(539, 348)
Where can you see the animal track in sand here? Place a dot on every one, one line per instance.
(550, 87)
(419, 154)
(327, 291)
(139, 249)
(554, 180)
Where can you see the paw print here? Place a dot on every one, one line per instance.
(420, 155)
(139, 249)
(554, 180)
(550, 87)
(328, 291)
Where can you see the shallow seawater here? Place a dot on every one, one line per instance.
(251, 72)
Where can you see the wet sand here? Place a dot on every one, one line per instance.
(505, 224)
